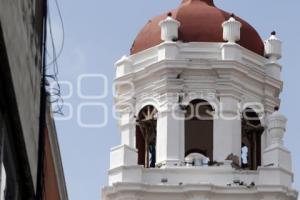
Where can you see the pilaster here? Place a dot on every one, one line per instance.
(227, 129)
(170, 137)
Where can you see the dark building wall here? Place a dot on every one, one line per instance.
(13, 148)
(22, 36)
(21, 30)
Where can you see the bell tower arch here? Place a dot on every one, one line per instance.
(199, 129)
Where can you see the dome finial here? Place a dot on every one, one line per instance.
(208, 2)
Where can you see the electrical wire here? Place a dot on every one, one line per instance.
(54, 92)
(54, 96)
(63, 33)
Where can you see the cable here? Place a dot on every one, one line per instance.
(63, 33)
(55, 91)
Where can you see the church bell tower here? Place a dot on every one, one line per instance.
(198, 107)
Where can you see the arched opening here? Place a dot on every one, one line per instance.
(252, 131)
(146, 136)
(199, 129)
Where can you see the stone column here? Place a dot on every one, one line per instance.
(170, 137)
(227, 130)
(128, 129)
(125, 154)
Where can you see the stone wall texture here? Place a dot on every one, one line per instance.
(22, 41)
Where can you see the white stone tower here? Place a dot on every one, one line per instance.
(198, 104)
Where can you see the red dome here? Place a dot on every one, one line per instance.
(200, 21)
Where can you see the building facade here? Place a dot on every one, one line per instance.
(21, 61)
(198, 100)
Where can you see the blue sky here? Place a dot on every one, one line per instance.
(99, 32)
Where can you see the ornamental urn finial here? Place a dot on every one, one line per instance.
(169, 28)
(232, 30)
(276, 124)
(273, 47)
